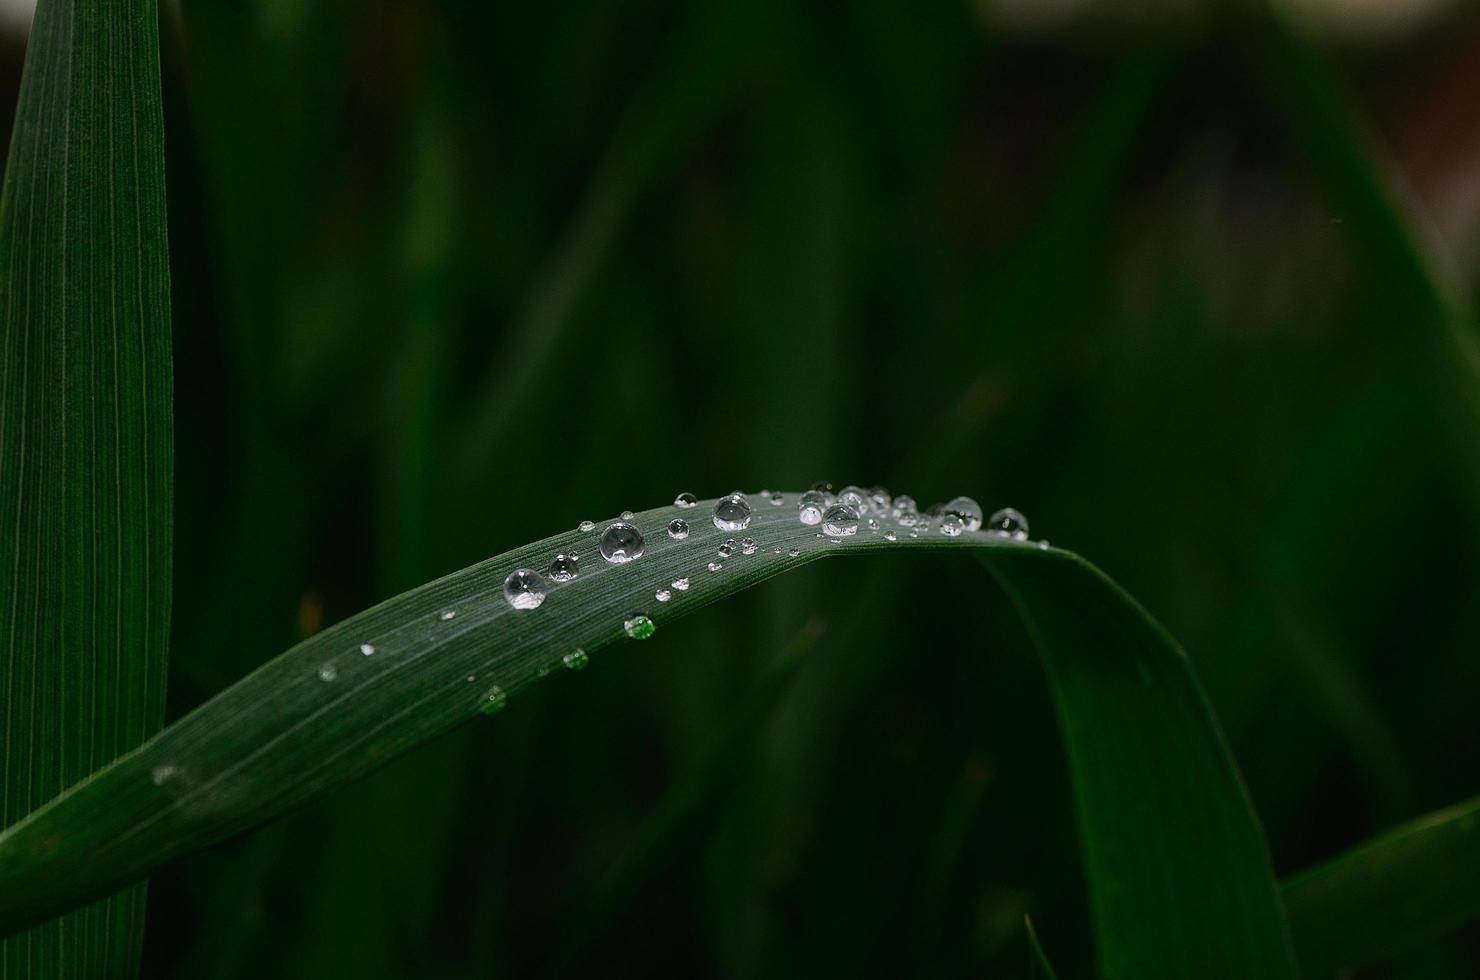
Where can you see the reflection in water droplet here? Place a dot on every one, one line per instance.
(685, 499)
(951, 525)
(841, 520)
(810, 507)
(563, 568)
(588, 526)
(639, 627)
(367, 649)
(681, 584)
(524, 589)
(678, 529)
(493, 700)
(576, 659)
(327, 673)
(620, 542)
(968, 510)
(662, 595)
(732, 513)
(1009, 522)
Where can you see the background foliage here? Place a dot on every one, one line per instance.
(449, 277)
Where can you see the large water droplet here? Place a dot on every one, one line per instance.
(662, 595)
(576, 659)
(588, 526)
(727, 549)
(328, 673)
(678, 529)
(493, 700)
(563, 568)
(810, 507)
(524, 589)
(968, 510)
(951, 525)
(732, 513)
(681, 584)
(620, 542)
(855, 497)
(840, 521)
(367, 649)
(1009, 522)
(639, 627)
(685, 499)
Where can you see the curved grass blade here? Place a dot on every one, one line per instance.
(85, 437)
(330, 709)
(1403, 888)
(1042, 969)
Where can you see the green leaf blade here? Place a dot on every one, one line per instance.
(85, 436)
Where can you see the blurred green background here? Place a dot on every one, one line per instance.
(1190, 286)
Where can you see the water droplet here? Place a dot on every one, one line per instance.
(951, 525)
(662, 595)
(777, 499)
(367, 649)
(823, 487)
(890, 536)
(576, 659)
(841, 520)
(872, 524)
(524, 589)
(471, 678)
(588, 526)
(968, 510)
(639, 627)
(1009, 522)
(678, 529)
(715, 566)
(446, 614)
(620, 542)
(1043, 545)
(493, 700)
(810, 507)
(908, 518)
(747, 546)
(685, 499)
(904, 503)
(681, 584)
(879, 500)
(327, 673)
(732, 513)
(626, 515)
(163, 773)
(563, 568)
(727, 549)
(855, 497)
(794, 553)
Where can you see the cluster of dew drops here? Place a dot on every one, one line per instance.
(837, 515)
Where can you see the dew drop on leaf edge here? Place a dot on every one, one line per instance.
(493, 700)
(639, 627)
(576, 659)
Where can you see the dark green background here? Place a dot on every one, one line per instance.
(450, 277)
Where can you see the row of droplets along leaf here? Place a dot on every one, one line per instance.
(839, 514)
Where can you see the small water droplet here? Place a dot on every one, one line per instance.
(904, 503)
(588, 526)
(890, 536)
(662, 595)
(685, 499)
(493, 700)
(747, 546)
(162, 773)
(715, 566)
(327, 673)
(727, 549)
(872, 524)
(732, 513)
(563, 568)
(855, 497)
(367, 649)
(446, 614)
(908, 518)
(639, 627)
(626, 515)
(951, 525)
(776, 499)
(524, 589)
(841, 520)
(794, 553)
(879, 500)
(1010, 523)
(810, 507)
(576, 659)
(1043, 545)
(471, 678)
(967, 509)
(620, 542)
(678, 529)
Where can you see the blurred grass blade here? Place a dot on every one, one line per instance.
(1179, 878)
(1042, 969)
(1180, 883)
(1404, 888)
(85, 437)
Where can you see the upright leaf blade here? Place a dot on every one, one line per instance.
(85, 439)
